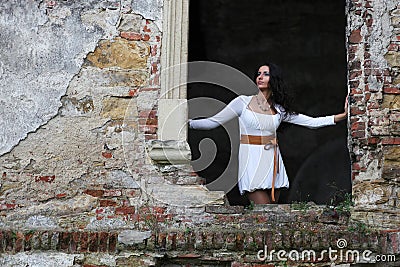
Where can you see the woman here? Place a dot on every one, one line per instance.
(261, 169)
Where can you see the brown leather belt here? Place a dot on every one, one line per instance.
(268, 141)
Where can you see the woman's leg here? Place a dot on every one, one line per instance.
(259, 197)
(277, 194)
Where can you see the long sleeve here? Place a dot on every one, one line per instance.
(232, 110)
(311, 122)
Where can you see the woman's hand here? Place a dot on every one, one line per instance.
(346, 105)
(343, 115)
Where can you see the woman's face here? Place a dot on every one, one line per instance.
(262, 79)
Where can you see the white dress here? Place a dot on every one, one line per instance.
(256, 164)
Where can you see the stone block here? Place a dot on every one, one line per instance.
(224, 209)
(393, 58)
(131, 23)
(391, 101)
(370, 194)
(77, 107)
(120, 53)
(74, 205)
(391, 163)
(118, 108)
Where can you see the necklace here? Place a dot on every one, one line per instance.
(262, 107)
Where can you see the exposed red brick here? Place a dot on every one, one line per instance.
(9, 240)
(393, 47)
(84, 242)
(148, 114)
(94, 192)
(131, 193)
(391, 90)
(93, 242)
(358, 126)
(27, 242)
(75, 241)
(154, 68)
(155, 80)
(132, 92)
(65, 239)
(51, 4)
(158, 210)
(146, 29)
(112, 242)
(356, 166)
(145, 37)
(153, 50)
(62, 195)
(99, 210)
(125, 210)
(373, 140)
(108, 203)
(19, 242)
(369, 22)
(148, 137)
(132, 36)
(373, 105)
(148, 121)
(356, 111)
(367, 63)
(103, 242)
(358, 134)
(391, 141)
(7, 206)
(356, 91)
(354, 84)
(355, 74)
(106, 154)
(45, 178)
(355, 37)
(112, 193)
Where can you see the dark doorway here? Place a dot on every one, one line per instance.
(307, 39)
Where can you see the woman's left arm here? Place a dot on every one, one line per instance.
(311, 122)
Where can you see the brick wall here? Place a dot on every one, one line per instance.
(373, 53)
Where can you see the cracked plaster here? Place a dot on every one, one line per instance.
(42, 49)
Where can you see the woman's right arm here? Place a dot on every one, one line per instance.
(233, 109)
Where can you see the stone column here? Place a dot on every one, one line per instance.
(172, 146)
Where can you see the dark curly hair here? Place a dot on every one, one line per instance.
(280, 94)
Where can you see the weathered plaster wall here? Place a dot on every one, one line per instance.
(81, 95)
(43, 46)
(373, 52)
